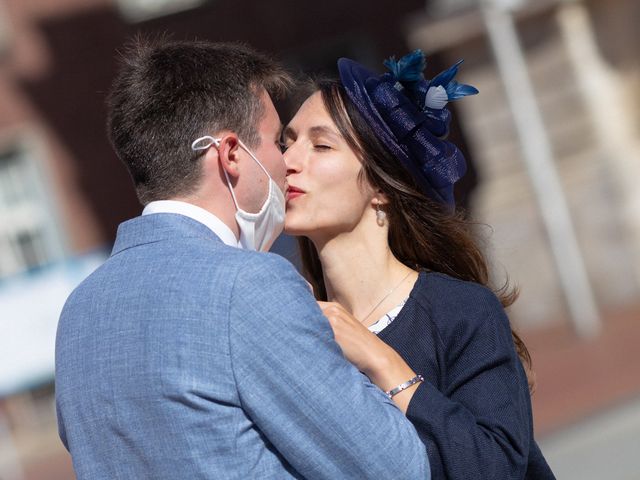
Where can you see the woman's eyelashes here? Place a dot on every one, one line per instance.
(321, 144)
(289, 138)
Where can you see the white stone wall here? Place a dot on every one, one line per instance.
(517, 242)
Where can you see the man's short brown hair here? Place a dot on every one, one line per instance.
(168, 93)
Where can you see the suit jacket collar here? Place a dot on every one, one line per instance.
(158, 227)
(197, 213)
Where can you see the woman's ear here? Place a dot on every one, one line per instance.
(379, 199)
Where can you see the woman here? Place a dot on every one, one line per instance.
(371, 188)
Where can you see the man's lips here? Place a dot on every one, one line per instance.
(294, 192)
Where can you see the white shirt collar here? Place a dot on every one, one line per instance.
(196, 213)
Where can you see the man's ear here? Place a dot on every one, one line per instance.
(228, 150)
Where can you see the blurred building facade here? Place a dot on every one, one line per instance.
(583, 60)
(63, 192)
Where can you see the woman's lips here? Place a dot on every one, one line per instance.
(294, 192)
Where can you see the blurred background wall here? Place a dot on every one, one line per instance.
(554, 157)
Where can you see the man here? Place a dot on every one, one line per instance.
(184, 356)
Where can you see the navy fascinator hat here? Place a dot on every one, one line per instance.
(407, 113)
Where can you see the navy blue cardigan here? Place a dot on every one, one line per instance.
(473, 412)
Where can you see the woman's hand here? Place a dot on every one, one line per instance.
(359, 345)
(377, 360)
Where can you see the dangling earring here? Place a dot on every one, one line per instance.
(381, 215)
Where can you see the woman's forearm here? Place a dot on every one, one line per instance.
(388, 370)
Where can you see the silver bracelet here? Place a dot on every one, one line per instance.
(403, 386)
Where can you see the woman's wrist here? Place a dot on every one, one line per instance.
(388, 369)
(404, 386)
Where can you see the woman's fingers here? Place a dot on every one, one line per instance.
(336, 313)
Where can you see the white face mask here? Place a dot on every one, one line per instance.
(259, 230)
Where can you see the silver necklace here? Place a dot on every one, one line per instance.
(385, 297)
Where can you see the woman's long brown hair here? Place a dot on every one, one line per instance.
(422, 234)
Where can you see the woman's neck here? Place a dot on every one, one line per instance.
(360, 270)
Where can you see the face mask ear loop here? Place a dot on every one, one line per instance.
(254, 157)
(233, 195)
(205, 146)
(271, 181)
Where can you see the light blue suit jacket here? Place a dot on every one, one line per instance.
(183, 358)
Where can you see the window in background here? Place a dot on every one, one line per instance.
(28, 235)
(141, 10)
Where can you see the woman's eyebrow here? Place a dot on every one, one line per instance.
(323, 130)
(289, 132)
(314, 131)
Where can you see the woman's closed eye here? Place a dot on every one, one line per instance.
(321, 147)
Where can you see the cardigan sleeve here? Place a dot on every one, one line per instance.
(479, 426)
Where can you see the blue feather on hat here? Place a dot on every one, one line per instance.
(435, 93)
(454, 89)
(409, 68)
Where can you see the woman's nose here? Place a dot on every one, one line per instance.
(293, 166)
